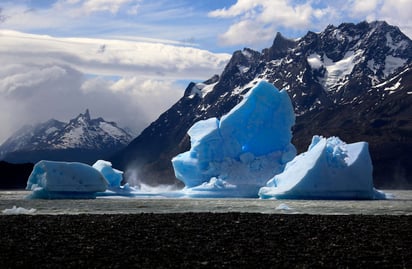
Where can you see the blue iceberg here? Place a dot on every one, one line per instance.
(238, 154)
(114, 179)
(65, 180)
(113, 176)
(330, 169)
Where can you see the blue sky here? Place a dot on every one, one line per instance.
(129, 60)
(219, 26)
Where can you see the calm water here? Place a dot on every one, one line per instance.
(400, 205)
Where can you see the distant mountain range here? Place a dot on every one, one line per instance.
(353, 81)
(81, 139)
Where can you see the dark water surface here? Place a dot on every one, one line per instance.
(401, 204)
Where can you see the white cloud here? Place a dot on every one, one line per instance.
(248, 29)
(39, 92)
(125, 81)
(112, 57)
(18, 83)
(255, 22)
(112, 6)
(239, 8)
(79, 7)
(364, 7)
(258, 20)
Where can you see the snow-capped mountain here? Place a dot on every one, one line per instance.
(81, 139)
(353, 81)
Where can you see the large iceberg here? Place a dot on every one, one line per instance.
(54, 180)
(330, 169)
(235, 156)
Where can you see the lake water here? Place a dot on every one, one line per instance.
(401, 204)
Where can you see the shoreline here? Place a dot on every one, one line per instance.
(208, 240)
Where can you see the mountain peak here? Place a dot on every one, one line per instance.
(350, 81)
(87, 114)
(279, 48)
(54, 137)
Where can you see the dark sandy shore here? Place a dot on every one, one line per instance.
(205, 240)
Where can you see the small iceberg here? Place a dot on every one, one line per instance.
(18, 211)
(330, 169)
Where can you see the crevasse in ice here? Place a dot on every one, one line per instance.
(239, 153)
(330, 169)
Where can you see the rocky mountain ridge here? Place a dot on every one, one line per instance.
(81, 139)
(353, 81)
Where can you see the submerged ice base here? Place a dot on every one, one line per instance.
(65, 180)
(330, 169)
(235, 156)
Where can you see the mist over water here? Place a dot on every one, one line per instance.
(401, 204)
(132, 177)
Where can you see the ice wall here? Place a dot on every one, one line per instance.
(238, 154)
(330, 169)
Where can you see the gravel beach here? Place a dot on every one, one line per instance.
(205, 240)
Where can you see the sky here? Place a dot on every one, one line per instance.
(130, 60)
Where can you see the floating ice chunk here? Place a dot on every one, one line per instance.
(283, 206)
(59, 180)
(113, 176)
(18, 211)
(214, 183)
(244, 149)
(330, 169)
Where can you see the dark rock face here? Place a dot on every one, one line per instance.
(81, 139)
(353, 81)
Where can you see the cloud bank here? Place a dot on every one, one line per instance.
(125, 81)
(111, 57)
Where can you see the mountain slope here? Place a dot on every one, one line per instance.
(81, 139)
(351, 81)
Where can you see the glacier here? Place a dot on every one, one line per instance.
(65, 180)
(238, 154)
(330, 169)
